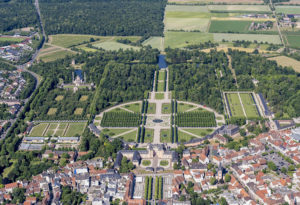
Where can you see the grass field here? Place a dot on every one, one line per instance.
(58, 129)
(249, 105)
(52, 111)
(59, 98)
(166, 108)
(83, 98)
(200, 132)
(13, 39)
(136, 107)
(114, 46)
(229, 26)
(114, 131)
(118, 110)
(186, 14)
(149, 133)
(184, 137)
(235, 105)
(181, 107)
(293, 40)
(165, 136)
(164, 163)
(78, 111)
(162, 75)
(68, 40)
(288, 9)
(55, 55)
(159, 96)
(151, 108)
(160, 87)
(182, 39)
(129, 137)
(253, 8)
(286, 61)
(218, 37)
(187, 24)
(187, 8)
(154, 42)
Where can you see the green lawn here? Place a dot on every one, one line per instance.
(129, 137)
(218, 37)
(149, 133)
(37, 131)
(136, 107)
(112, 132)
(53, 126)
(159, 96)
(165, 136)
(235, 105)
(182, 39)
(164, 163)
(75, 128)
(199, 132)
(160, 87)
(151, 108)
(162, 75)
(12, 39)
(60, 132)
(181, 107)
(184, 137)
(114, 46)
(166, 108)
(229, 26)
(62, 125)
(249, 105)
(56, 55)
(154, 42)
(118, 110)
(146, 162)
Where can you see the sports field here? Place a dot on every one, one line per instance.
(286, 61)
(187, 24)
(249, 105)
(229, 26)
(218, 37)
(252, 8)
(235, 105)
(154, 42)
(58, 129)
(114, 46)
(182, 39)
(288, 9)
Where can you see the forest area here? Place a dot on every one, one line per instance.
(103, 17)
(17, 14)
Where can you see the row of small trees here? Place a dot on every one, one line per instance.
(148, 188)
(121, 119)
(158, 188)
(141, 134)
(195, 119)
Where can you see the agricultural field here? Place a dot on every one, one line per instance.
(286, 61)
(58, 129)
(249, 105)
(293, 40)
(135, 107)
(195, 119)
(69, 40)
(240, 8)
(288, 9)
(121, 119)
(229, 26)
(216, 1)
(55, 55)
(182, 39)
(114, 46)
(186, 8)
(154, 42)
(187, 24)
(235, 105)
(275, 39)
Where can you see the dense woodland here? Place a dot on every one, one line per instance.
(17, 14)
(104, 17)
